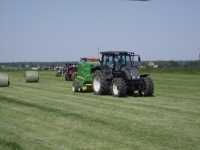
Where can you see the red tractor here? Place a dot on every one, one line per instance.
(89, 59)
(70, 72)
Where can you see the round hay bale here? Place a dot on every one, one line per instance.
(4, 80)
(31, 76)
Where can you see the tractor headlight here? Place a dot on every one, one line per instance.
(134, 76)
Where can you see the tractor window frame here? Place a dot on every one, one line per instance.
(111, 61)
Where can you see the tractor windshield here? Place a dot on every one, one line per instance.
(119, 59)
(108, 60)
(127, 59)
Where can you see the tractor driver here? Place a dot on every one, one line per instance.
(119, 60)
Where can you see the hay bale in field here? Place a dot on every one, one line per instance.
(31, 76)
(4, 80)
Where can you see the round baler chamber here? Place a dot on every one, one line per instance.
(31, 76)
(4, 80)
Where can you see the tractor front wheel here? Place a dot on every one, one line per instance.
(119, 87)
(100, 84)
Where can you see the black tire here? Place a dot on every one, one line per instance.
(76, 86)
(103, 86)
(66, 77)
(119, 87)
(147, 87)
(130, 91)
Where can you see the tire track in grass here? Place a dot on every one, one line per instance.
(139, 104)
(93, 135)
(98, 136)
(125, 115)
(53, 90)
(146, 105)
(39, 132)
(75, 99)
(54, 110)
(126, 130)
(111, 107)
(65, 116)
(125, 123)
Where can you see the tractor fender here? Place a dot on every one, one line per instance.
(130, 73)
(126, 74)
(106, 72)
(95, 69)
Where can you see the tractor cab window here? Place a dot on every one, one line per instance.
(120, 60)
(108, 61)
(128, 60)
(135, 60)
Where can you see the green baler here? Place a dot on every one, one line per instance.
(83, 79)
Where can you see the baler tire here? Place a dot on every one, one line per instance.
(76, 86)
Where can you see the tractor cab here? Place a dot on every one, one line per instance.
(117, 59)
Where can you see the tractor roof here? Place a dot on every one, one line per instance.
(117, 53)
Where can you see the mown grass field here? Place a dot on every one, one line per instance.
(47, 115)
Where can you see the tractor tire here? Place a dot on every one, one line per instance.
(100, 85)
(67, 78)
(76, 87)
(147, 87)
(119, 87)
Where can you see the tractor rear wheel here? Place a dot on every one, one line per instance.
(147, 87)
(100, 85)
(119, 87)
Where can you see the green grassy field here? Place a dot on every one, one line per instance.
(47, 115)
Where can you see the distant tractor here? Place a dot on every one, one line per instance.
(118, 74)
(59, 71)
(70, 72)
(83, 79)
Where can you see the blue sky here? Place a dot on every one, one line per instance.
(61, 30)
